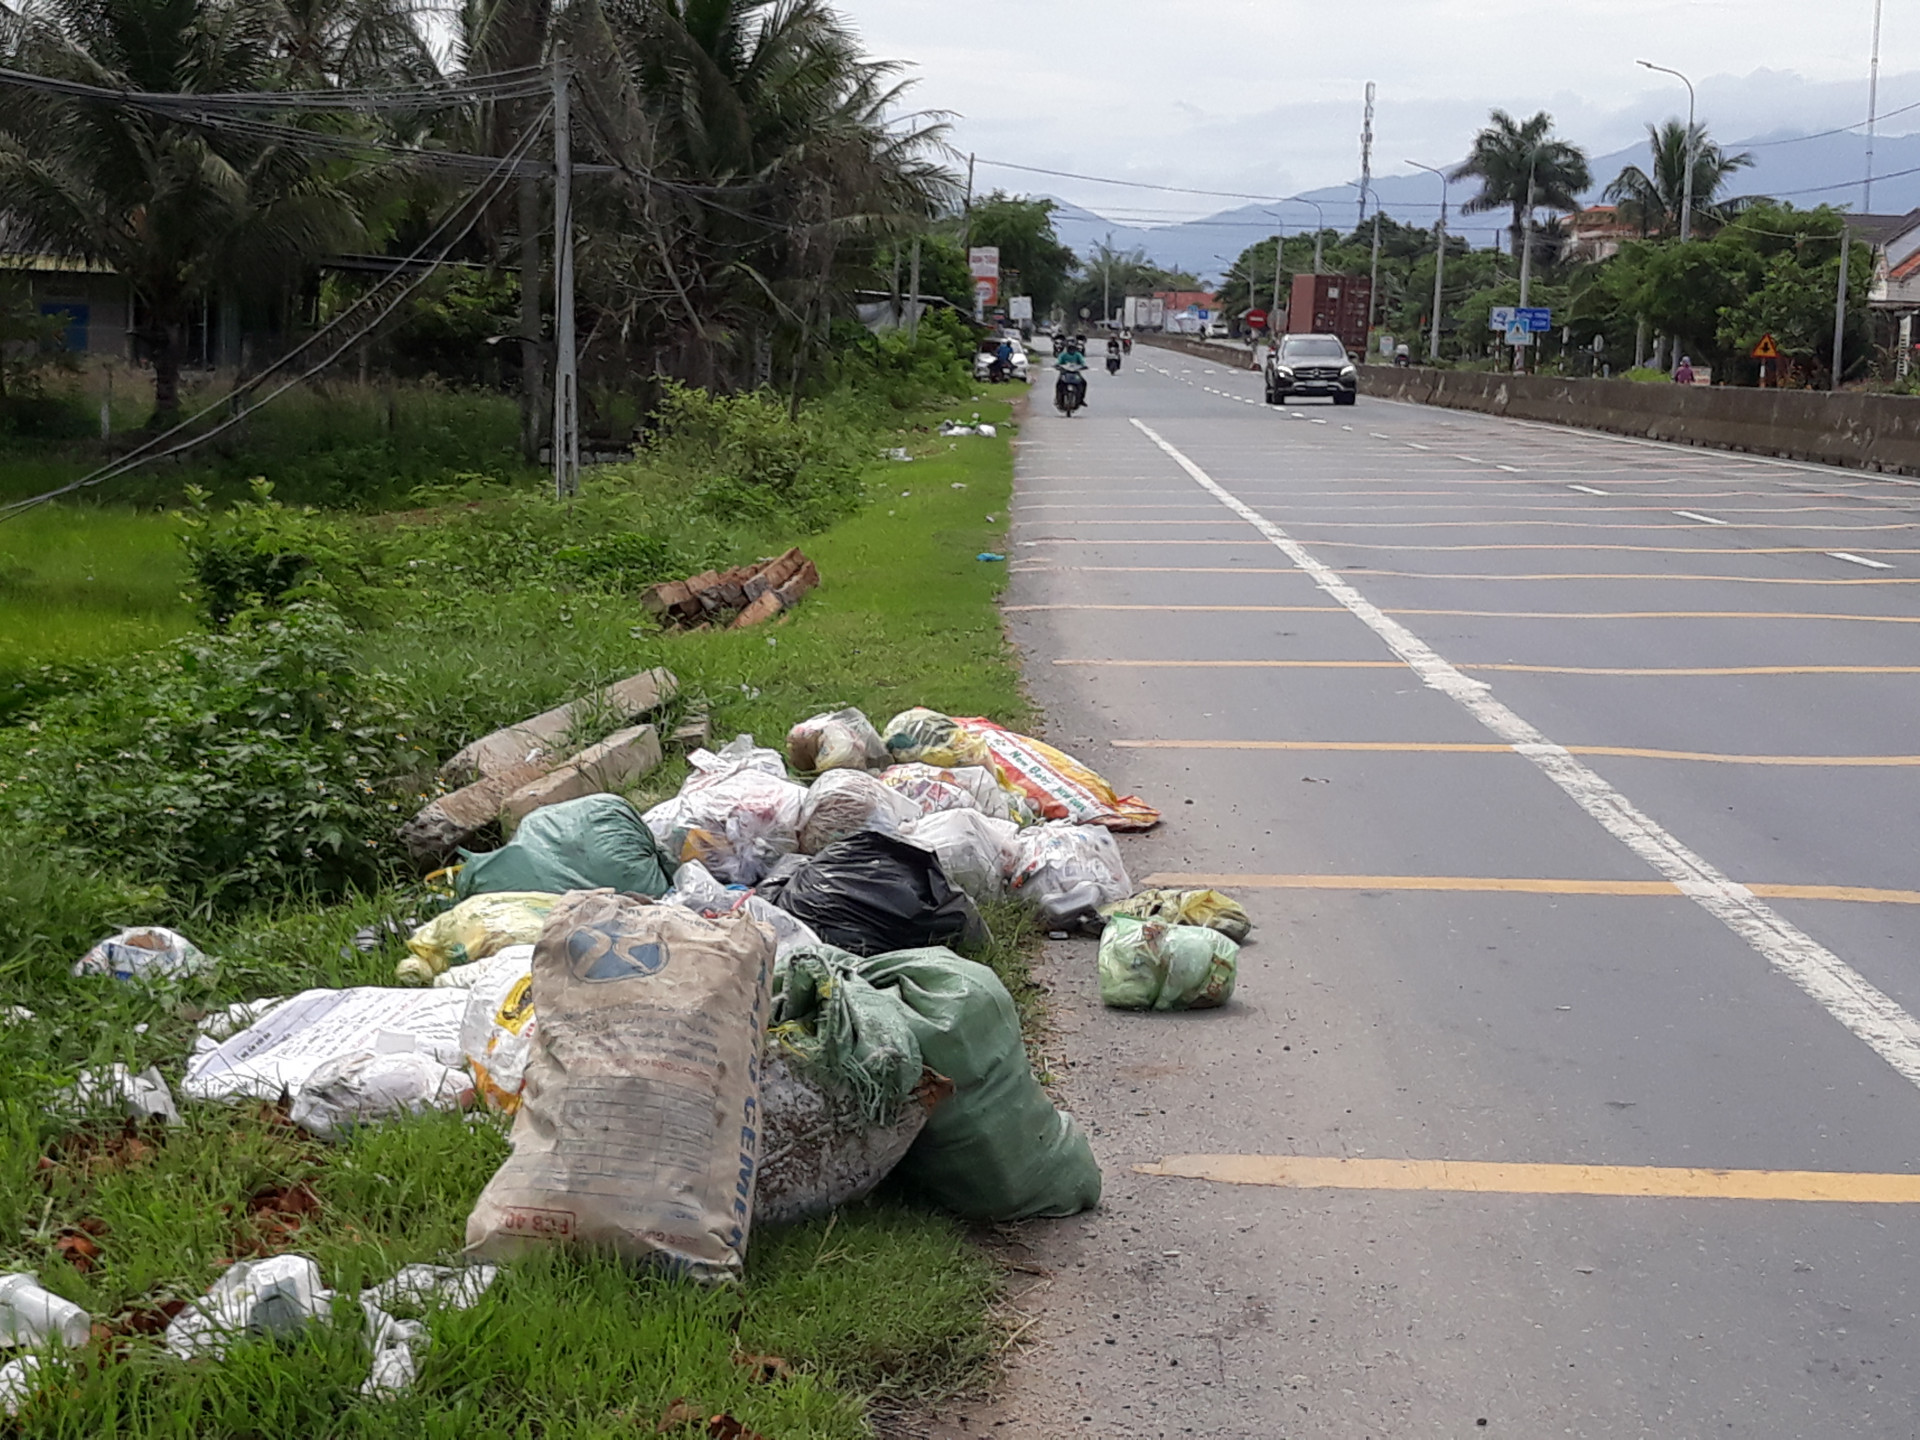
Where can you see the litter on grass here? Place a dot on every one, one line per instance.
(271, 1297)
(1060, 787)
(137, 1096)
(841, 739)
(476, 928)
(31, 1316)
(586, 844)
(152, 954)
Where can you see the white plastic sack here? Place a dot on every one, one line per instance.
(151, 954)
(638, 1129)
(845, 802)
(737, 815)
(1067, 871)
(975, 851)
(142, 1096)
(343, 1044)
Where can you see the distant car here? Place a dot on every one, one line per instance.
(983, 359)
(1217, 330)
(1311, 365)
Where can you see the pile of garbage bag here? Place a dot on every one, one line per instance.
(740, 1005)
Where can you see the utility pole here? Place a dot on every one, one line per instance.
(913, 307)
(1873, 107)
(896, 282)
(1279, 258)
(1840, 308)
(1526, 262)
(1373, 282)
(966, 213)
(566, 378)
(1439, 259)
(1106, 280)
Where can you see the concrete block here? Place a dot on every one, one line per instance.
(541, 739)
(452, 822)
(612, 765)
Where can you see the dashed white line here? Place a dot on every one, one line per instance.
(1849, 556)
(1511, 469)
(1472, 459)
(1696, 515)
(1843, 992)
(1416, 445)
(1586, 490)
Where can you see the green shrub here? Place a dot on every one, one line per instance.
(903, 375)
(227, 767)
(259, 552)
(746, 458)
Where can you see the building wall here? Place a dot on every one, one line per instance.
(97, 303)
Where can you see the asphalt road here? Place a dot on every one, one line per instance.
(1526, 750)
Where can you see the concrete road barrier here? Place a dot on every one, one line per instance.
(1871, 432)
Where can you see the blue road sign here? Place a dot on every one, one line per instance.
(1538, 317)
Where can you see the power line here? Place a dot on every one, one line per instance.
(1825, 134)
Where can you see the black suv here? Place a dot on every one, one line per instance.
(1311, 365)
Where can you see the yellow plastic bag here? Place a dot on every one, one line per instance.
(474, 929)
(1210, 908)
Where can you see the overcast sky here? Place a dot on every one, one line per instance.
(1265, 96)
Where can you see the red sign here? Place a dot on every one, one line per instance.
(1257, 319)
(986, 290)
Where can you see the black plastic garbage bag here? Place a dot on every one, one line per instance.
(872, 893)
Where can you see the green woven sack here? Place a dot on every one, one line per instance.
(593, 843)
(996, 1149)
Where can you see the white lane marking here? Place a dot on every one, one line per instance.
(1322, 422)
(1476, 460)
(1511, 469)
(1586, 490)
(1859, 559)
(1376, 435)
(1703, 519)
(1416, 445)
(1843, 992)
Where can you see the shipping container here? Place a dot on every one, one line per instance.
(1332, 305)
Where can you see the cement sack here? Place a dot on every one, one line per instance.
(639, 1127)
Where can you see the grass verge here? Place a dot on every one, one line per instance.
(882, 1302)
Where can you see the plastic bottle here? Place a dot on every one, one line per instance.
(30, 1315)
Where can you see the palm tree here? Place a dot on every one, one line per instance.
(1653, 202)
(762, 155)
(1520, 165)
(180, 211)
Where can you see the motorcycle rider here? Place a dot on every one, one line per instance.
(1113, 355)
(1072, 366)
(1002, 360)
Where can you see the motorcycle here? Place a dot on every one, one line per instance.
(1113, 364)
(1070, 392)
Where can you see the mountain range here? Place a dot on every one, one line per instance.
(1809, 172)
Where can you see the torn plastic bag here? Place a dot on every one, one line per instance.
(996, 1149)
(271, 1297)
(375, 1084)
(595, 842)
(473, 930)
(737, 816)
(695, 888)
(397, 1343)
(975, 852)
(151, 954)
(933, 789)
(1067, 872)
(1188, 907)
(498, 1029)
(141, 1096)
(841, 740)
(871, 893)
(845, 802)
(19, 1379)
(638, 1129)
(1149, 965)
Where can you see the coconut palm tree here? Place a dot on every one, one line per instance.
(181, 211)
(762, 156)
(1519, 165)
(1653, 201)
(352, 43)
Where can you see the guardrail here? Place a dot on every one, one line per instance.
(1870, 432)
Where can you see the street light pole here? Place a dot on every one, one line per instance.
(1873, 108)
(1439, 258)
(1686, 184)
(1840, 309)
(1320, 231)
